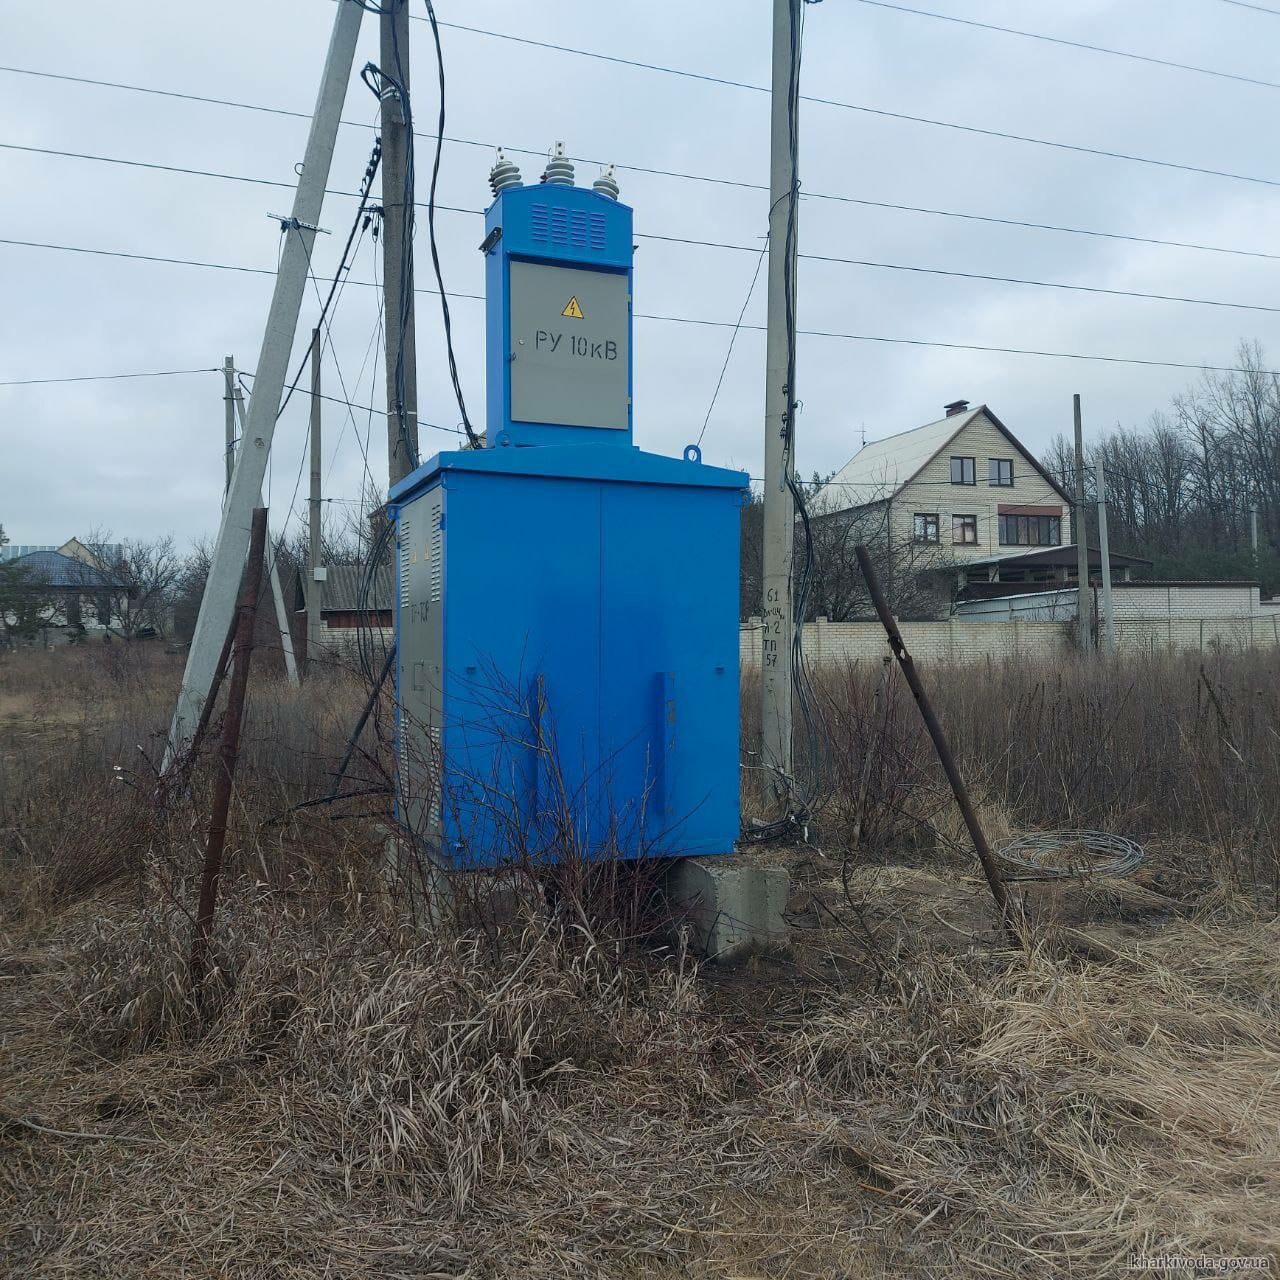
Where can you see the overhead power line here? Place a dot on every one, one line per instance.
(104, 377)
(879, 112)
(971, 346)
(718, 324)
(1257, 8)
(669, 173)
(1074, 44)
(975, 275)
(976, 130)
(721, 244)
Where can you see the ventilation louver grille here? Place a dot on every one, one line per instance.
(574, 229)
(437, 549)
(404, 561)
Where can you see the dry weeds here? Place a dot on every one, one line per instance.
(545, 1097)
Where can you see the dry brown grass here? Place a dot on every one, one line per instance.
(902, 1096)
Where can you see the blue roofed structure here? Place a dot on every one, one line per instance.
(53, 569)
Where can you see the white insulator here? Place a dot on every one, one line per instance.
(606, 184)
(559, 170)
(505, 173)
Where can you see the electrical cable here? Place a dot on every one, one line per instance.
(872, 111)
(104, 377)
(1097, 853)
(890, 206)
(694, 320)
(1257, 8)
(359, 224)
(830, 259)
(1074, 44)
(371, 350)
(733, 337)
(377, 79)
(472, 437)
(738, 84)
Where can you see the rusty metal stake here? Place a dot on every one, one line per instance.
(228, 752)
(989, 866)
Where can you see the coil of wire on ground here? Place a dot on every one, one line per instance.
(1098, 853)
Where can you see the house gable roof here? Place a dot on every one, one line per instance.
(881, 469)
(53, 569)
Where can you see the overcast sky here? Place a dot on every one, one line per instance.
(143, 458)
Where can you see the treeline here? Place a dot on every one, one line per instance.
(1180, 489)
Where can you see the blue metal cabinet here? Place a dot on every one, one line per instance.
(567, 623)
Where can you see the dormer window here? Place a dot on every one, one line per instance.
(964, 471)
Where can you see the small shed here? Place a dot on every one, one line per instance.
(348, 599)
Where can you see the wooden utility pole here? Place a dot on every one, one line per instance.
(1084, 633)
(228, 754)
(777, 607)
(397, 242)
(315, 585)
(229, 417)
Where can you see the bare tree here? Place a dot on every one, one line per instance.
(135, 583)
(1181, 487)
(916, 576)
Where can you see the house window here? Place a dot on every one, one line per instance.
(925, 527)
(964, 471)
(1030, 531)
(1000, 472)
(964, 530)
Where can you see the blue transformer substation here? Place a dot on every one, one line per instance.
(567, 605)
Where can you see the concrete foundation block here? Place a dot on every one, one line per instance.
(731, 908)
(439, 894)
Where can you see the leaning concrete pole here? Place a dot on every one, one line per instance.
(1107, 638)
(777, 608)
(1083, 610)
(273, 568)
(314, 586)
(219, 600)
(397, 256)
(229, 418)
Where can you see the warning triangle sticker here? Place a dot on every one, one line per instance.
(573, 310)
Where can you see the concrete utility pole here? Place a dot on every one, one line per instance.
(277, 594)
(1253, 531)
(777, 607)
(229, 417)
(315, 586)
(219, 601)
(397, 248)
(1083, 610)
(1107, 639)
